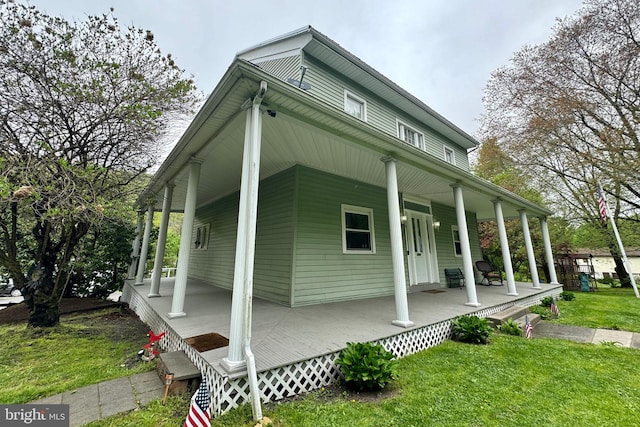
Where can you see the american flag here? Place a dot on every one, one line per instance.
(554, 308)
(199, 411)
(528, 327)
(602, 204)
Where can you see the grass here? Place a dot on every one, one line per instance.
(607, 308)
(84, 349)
(512, 381)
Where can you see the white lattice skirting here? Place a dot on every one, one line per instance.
(304, 376)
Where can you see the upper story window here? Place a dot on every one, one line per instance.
(410, 136)
(357, 230)
(449, 156)
(355, 106)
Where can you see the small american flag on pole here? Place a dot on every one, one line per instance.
(602, 204)
(198, 415)
(554, 308)
(528, 327)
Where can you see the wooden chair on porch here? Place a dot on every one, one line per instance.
(489, 273)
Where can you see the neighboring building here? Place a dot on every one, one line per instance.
(364, 191)
(603, 264)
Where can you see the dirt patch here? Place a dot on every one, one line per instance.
(20, 313)
(206, 342)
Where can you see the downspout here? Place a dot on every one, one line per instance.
(254, 179)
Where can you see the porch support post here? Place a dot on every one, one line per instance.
(533, 268)
(145, 246)
(162, 241)
(182, 270)
(504, 247)
(547, 250)
(397, 254)
(135, 250)
(241, 300)
(465, 246)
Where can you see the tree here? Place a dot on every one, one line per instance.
(568, 113)
(82, 106)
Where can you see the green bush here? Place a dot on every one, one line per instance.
(544, 312)
(366, 366)
(471, 329)
(546, 301)
(567, 296)
(510, 327)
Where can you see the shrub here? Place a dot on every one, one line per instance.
(510, 327)
(544, 312)
(546, 301)
(567, 296)
(471, 329)
(366, 366)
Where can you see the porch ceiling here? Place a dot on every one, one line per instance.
(308, 133)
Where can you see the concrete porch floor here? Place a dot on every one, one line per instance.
(283, 335)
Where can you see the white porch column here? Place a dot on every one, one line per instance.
(548, 254)
(533, 268)
(145, 246)
(504, 247)
(397, 253)
(182, 270)
(241, 300)
(135, 250)
(465, 246)
(162, 241)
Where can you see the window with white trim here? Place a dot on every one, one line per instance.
(355, 106)
(357, 230)
(449, 156)
(410, 135)
(457, 247)
(202, 237)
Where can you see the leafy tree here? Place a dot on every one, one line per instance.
(82, 106)
(567, 112)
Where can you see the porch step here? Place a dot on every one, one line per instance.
(500, 317)
(519, 314)
(186, 376)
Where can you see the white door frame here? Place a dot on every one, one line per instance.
(422, 268)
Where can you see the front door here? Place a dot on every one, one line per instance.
(422, 262)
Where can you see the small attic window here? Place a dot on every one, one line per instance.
(355, 106)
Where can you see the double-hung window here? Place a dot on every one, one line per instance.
(449, 157)
(357, 230)
(202, 237)
(457, 247)
(355, 106)
(410, 136)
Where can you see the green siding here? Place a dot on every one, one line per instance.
(283, 68)
(323, 272)
(444, 238)
(274, 238)
(329, 88)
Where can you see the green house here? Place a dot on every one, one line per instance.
(309, 178)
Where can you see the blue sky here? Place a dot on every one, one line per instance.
(441, 51)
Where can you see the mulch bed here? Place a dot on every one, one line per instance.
(206, 342)
(19, 312)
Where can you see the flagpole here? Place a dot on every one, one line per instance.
(623, 254)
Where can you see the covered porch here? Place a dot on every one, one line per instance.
(295, 348)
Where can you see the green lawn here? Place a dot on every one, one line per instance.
(607, 308)
(86, 348)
